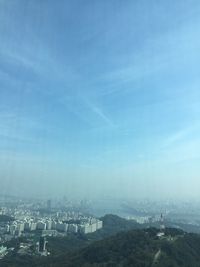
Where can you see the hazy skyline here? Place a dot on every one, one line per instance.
(100, 98)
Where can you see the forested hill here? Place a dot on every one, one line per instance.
(117, 246)
(135, 248)
(113, 224)
(138, 248)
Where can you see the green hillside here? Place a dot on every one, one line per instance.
(127, 248)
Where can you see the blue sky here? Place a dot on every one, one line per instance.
(100, 98)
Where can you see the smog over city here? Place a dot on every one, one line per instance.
(99, 114)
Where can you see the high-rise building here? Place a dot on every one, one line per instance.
(42, 244)
(48, 224)
(41, 225)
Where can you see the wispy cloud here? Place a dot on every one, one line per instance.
(181, 135)
(99, 112)
(81, 105)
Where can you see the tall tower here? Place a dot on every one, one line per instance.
(162, 225)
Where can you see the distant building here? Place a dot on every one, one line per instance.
(53, 225)
(49, 225)
(72, 228)
(13, 228)
(42, 244)
(99, 224)
(41, 226)
(62, 227)
(20, 227)
(49, 233)
(33, 226)
(91, 227)
(27, 226)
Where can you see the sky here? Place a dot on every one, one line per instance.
(100, 98)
